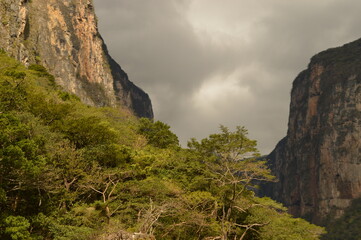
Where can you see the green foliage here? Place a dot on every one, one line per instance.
(70, 171)
(38, 68)
(157, 133)
(109, 155)
(348, 226)
(15, 74)
(65, 96)
(12, 90)
(72, 225)
(89, 131)
(17, 228)
(41, 71)
(2, 197)
(278, 224)
(231, 158)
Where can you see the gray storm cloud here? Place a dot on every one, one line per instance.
(211, 62)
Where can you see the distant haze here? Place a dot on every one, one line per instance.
(230, 62)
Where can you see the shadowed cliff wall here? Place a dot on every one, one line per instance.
(318, 163)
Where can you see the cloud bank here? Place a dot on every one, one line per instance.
(211, 62)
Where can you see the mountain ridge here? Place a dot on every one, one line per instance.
(63, 36)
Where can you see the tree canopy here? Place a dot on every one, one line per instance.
(71, 171)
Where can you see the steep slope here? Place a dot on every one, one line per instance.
(318, 163)
(62, 35)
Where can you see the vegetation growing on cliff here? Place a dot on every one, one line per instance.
(70, 171)
(346, 227)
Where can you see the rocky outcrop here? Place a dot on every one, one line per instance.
(62, 35)
(318, 163)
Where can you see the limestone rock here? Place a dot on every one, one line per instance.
(62, 35)
(318, 163)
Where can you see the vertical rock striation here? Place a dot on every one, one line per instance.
(318, 163)
(62, 35)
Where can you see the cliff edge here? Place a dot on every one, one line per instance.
(62, 35)
(318, 163)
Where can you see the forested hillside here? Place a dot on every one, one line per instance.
(70, 171)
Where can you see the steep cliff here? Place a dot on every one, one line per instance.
(318, 163)
(62, 35)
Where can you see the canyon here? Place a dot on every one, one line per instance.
(318, 163)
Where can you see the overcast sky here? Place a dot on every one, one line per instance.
(231, 62)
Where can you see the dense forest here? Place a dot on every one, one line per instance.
(71, 171)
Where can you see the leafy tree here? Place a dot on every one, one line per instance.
(88, 131)
(157, 133)
(109, 155)
(12, 90)
(231, 158)
(279, 224)
(17, 228)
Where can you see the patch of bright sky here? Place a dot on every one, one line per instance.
(220, 20)
(214, 95)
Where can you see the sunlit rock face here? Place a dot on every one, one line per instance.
(318, 163)
(62, 35)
